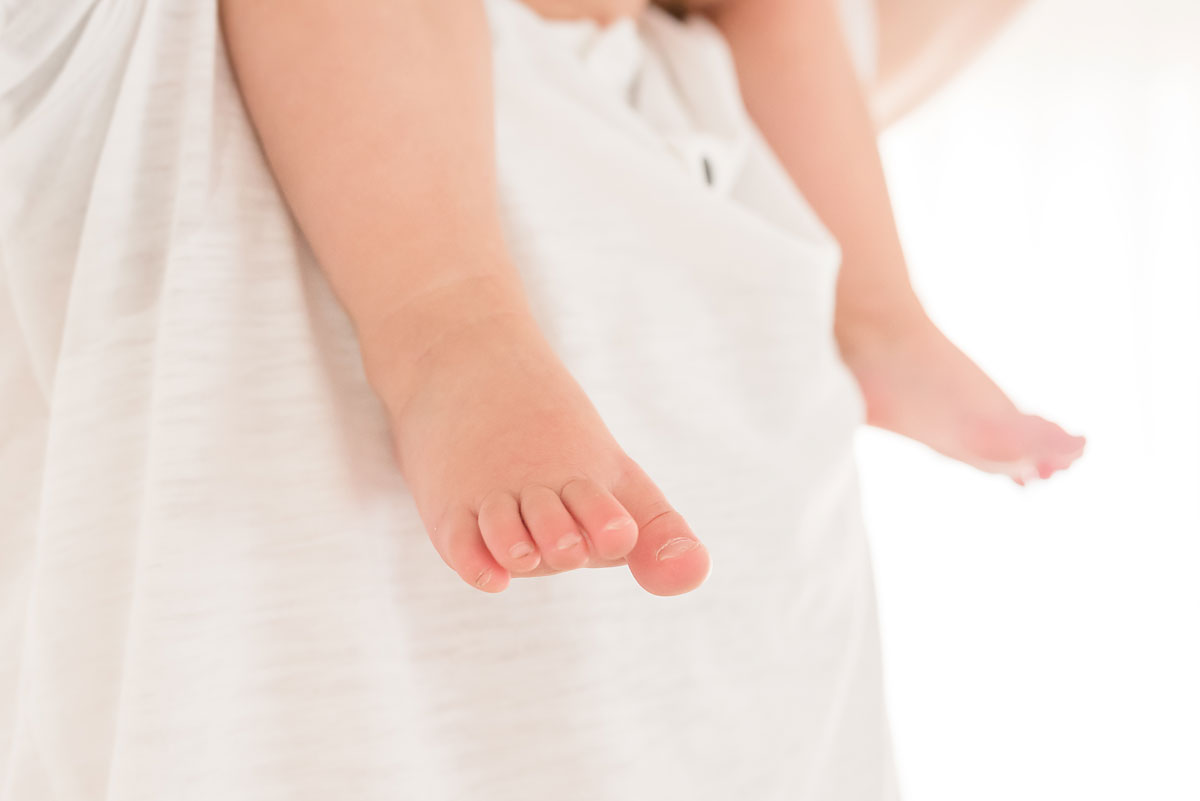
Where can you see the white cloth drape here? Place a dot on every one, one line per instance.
(215, 585)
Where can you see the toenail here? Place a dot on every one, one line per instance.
(620, 522)
(676, 547)
(569, 541)
(520, 550)
(483, 578)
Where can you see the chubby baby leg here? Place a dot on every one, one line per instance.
(511, 468)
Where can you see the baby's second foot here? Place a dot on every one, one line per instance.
(514, 473)
(917, 383)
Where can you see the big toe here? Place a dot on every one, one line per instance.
(668, 558)
(1055, 448)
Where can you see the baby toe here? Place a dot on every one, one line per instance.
(505, 534)
(555, 532)
(668, 559)
(1055, 448)
(610, 529)
(460, 544)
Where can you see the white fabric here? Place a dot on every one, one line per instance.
(214, 584)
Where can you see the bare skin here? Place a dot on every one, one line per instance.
(511, 468)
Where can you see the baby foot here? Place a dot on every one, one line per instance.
(917, 383)
(514, 473)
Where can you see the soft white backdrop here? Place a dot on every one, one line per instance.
(1044, 644)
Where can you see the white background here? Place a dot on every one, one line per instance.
(1044, 644)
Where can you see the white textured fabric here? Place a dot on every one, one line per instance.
(214, 583)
